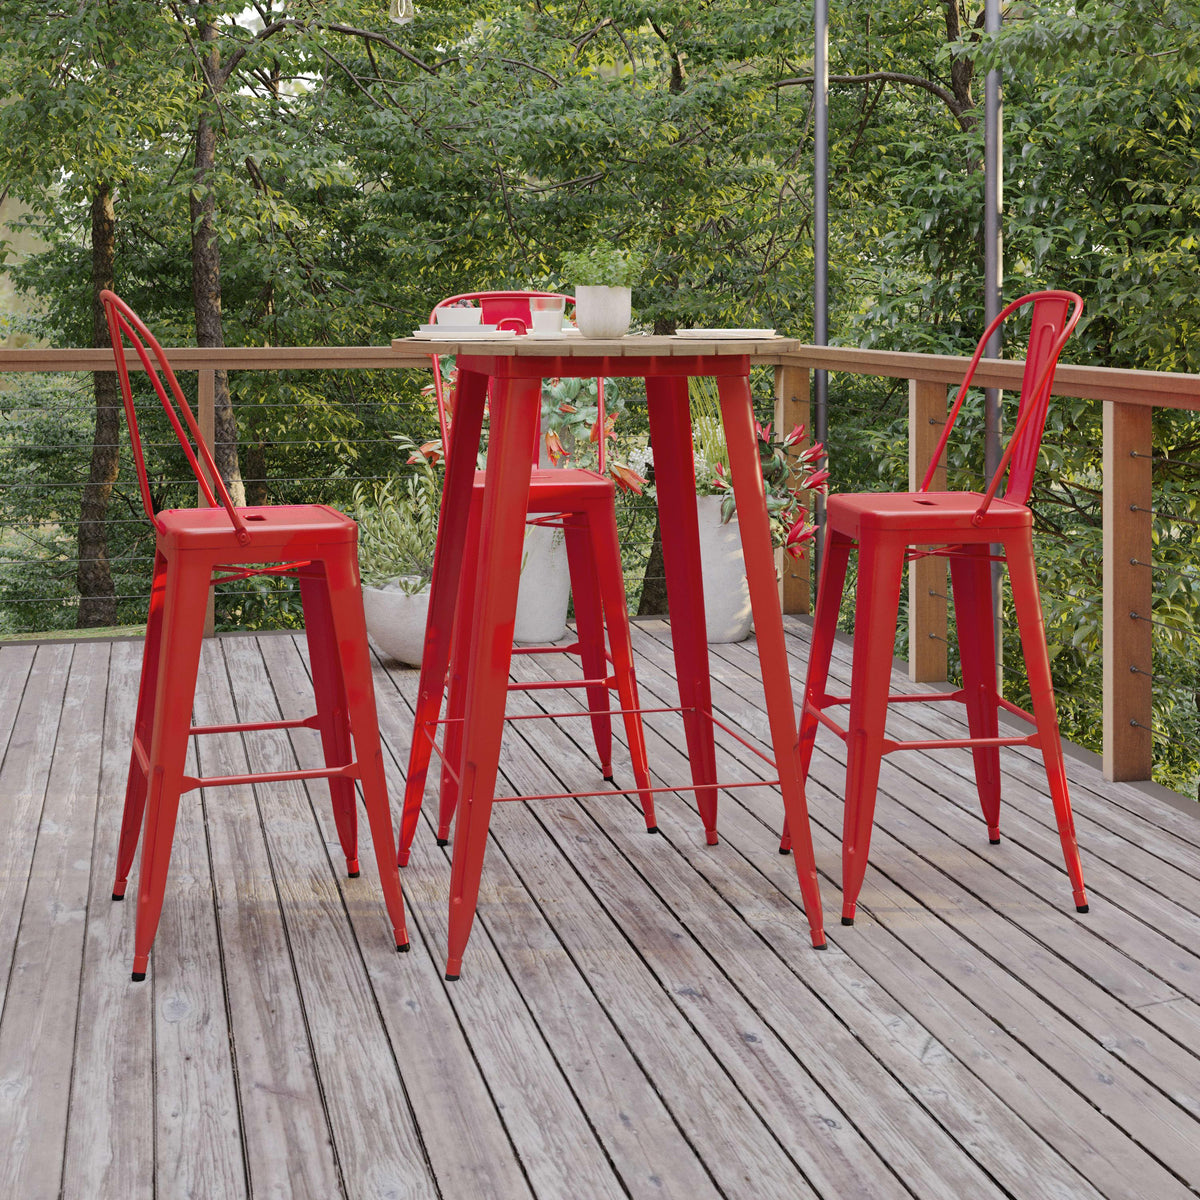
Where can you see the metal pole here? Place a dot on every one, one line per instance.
(993, 275)
(821, 231)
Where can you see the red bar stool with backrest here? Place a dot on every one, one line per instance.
(889, 529)
(583, 503)
(195, 548)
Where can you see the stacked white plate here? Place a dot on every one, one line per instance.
(461, 333)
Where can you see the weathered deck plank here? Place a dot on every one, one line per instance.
(638, 1016)
(38, 1034)
(1163, 1122)
(110, 1128)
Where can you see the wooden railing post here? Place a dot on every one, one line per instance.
(1128, 590)
(792, 409)
(206, 419)
(926, 576)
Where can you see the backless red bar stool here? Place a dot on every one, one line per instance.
(888, 529)
(582, 503)
(195, 548)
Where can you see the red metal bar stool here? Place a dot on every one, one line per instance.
(194, 549)
(582, 503)
(888, 529)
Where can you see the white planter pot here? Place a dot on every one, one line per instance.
(545, 587)
(603, 312)
(727, 612)
(396, 621)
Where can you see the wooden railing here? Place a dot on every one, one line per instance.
(1129, 397)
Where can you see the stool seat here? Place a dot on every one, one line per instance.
(268, 526)
(557, 486)
(929, 514)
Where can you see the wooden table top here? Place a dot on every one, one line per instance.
(632, 345)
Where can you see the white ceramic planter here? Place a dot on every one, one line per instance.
(603, 312)
(545, 587)
(727, 612)
(396, 621)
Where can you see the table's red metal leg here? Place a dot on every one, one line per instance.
(737, 416)
(514, 417)
(447, 567)
(675, 485)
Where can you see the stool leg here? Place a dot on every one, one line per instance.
(515, 410)
(675, 484)
(616, 618)
(880, 570)
(832, 583)
(443, 589)
(333, 720)
(737, 417)
(589, 629)
(1023, 577)
(143, 726)
(349, 628)
(971, 578)
(184, 603)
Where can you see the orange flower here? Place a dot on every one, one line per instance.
(610, 422)
(554, 448)
(626, 478)
(797, 535)
(430, 452)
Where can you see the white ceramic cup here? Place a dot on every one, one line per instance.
(546, 314)
(454, 315)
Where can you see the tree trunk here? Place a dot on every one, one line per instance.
(97, 596)
(206, 273)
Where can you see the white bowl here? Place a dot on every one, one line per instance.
(459, 316)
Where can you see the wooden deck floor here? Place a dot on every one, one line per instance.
(638, 1016)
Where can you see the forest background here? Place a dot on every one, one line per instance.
(310, 173)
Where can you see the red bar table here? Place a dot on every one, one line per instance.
(512, 370)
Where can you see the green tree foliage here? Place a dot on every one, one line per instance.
(363, 170)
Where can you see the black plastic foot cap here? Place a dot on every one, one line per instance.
(785, 850)
(993, 841)
(847, 920)
(1081, 908)
(451, 978)
(401, 947)
(609, 779)
(822, 946)
(443, 841)
(352, 874)
(138, 976)
(651, 828)
(118, 897)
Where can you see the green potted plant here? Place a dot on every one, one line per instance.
(727, 614)
(602, 276)
(397, 531)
